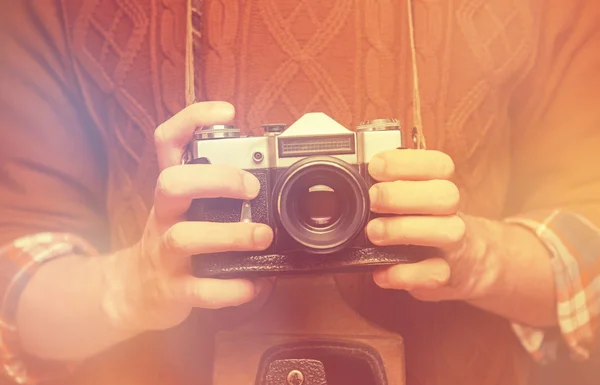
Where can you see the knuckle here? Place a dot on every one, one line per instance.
(160, 137)
(198, 292)
(238, 186)
(455, 229)
(241, 238)
(163, 182)
(190, 113)
(164, 289)
(174, 240)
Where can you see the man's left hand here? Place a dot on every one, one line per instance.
(415, 186)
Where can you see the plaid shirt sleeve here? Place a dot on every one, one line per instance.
(574, 243)
(19, 260)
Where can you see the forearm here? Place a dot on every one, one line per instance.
(61, 313)
(523, 286)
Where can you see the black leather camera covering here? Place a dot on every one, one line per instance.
(229, 265)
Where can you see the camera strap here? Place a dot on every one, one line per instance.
(190, 81)
(418, 136)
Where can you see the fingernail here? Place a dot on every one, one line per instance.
(262, 237)
(251, 185)
(373, 196)
(376, 167)
(381, 278)
(376, 231)
(261, 286)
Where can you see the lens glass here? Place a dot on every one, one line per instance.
(322, 204)
(319, 207)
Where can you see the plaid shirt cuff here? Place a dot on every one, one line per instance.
(19, 261)
(574, 243)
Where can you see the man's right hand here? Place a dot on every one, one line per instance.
(150, 285)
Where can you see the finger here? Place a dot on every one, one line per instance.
(427, 274)
(432, 197)
(411, 164)
(210, 293)
(263, 289)
(443, 232)
(172, 137)
(435, 295)
(177, 186)
(191, 238)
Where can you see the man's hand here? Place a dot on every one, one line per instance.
(415, 185)
(100, 301)
(151, 284)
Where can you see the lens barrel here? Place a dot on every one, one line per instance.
(323, 203)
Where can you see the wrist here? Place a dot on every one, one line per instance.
(500, 250)
(120, 293)
(482, 243)
(518, 282)
(529, 279)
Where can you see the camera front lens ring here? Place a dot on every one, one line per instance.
(322, 203)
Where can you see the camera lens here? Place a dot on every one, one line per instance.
(319, 207)
(322, 203)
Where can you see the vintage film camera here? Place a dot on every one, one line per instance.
(314, 194)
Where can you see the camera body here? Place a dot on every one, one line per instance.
(314, 181)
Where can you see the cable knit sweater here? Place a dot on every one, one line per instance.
(502, 88)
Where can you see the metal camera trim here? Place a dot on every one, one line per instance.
(217, 131)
